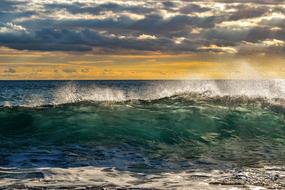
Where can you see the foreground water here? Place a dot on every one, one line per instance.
(146, 134)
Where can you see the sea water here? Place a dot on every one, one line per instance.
(209, 134)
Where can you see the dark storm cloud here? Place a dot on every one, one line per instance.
(193, 8)
(82, 8)
(9, 16)
(166, 26)
(45, 40)
(266, 2)
(6, 5)
(245, 12)
(229, 35)
(84, 40)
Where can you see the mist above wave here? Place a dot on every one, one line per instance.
(272, 91)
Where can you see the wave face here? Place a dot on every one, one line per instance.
(142, 126)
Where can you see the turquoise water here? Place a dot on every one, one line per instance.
(137, 134)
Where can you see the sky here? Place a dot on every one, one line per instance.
(146, 39)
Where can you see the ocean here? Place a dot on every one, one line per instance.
(196, 134)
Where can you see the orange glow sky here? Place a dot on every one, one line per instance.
(31, 65)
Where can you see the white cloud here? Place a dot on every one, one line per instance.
(12, 28)
(273, 42)
(133, 16)
(179, 40)
(266, 43)
(238, 24)
(219, 49)
(196, 30)
(270, 18)
(147, 37)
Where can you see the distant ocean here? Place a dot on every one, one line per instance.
(207, 134)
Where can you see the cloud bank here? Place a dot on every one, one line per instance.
(216, 27)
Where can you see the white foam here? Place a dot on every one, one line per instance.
(273, 91)
(7, 104)
(99, 177)
(268, 89)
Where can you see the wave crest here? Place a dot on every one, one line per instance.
(272, 91)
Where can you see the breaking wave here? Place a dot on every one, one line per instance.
(157, 90)
(272, 91)
(61, 132)
(264, 91)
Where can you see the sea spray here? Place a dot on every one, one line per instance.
(61, 92)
